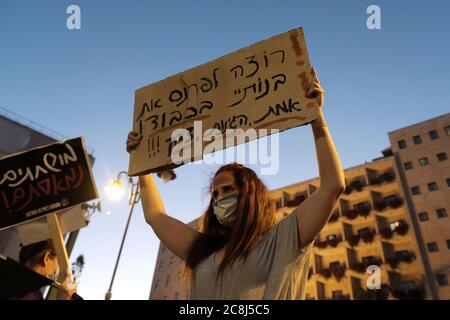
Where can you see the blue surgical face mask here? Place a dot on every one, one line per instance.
(225, 209)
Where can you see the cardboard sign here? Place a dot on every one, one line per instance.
(262, 86)
(47, 179)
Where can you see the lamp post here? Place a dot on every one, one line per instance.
(115, 190)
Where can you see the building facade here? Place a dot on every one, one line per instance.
(421, 154)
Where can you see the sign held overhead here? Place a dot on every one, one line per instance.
(262, 86)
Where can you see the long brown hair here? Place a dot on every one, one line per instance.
(255, 215)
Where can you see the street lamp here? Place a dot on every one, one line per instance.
(114, 191)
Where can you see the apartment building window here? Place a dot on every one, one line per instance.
(400, 254)
(442, 279)
(337, 294)
(402, 144)
(423, 216)
(432, 186)
(423, 161)
(278, 204)
(335, 264)
(167, 281)
(161, 263)
(389, 199)
(432, 246)
(409, 285)
(448, 182)
(415, 190)
(433, 134)
(332, 237)
(363, 231)
(447, 130)
(176, 296)
(441, 156)
(417, 140)
(171, 261)
(448, 243)
(157, 285)
(367, 260)
(441, 213)
(408, 165)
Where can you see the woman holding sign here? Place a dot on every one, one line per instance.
(239, 251)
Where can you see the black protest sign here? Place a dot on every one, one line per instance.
(47, 179)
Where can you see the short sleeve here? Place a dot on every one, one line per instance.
(284, 239)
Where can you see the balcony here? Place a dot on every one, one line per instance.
(405, 256)
(338, 269)
(358, 267)
(379, 179)
(393, 262)
(409, 292)
(341, 296)
(294, 202)
(350, 214)
(388, 177)
(401, 256)
(401, 227)
(325, 272)
(361, 267)
(375, 181)
(386, 233)
(353, 240)
(334, 217)
(371, 261)
(378, 294)
(394, 202)
(320, 244)
(363, 209)
(333, 240)
(357, 185)
(367, 235)
(379, 205)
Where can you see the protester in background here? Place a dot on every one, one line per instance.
(41, 258)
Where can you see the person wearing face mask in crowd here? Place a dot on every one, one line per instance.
(240, 251)
(41, 258)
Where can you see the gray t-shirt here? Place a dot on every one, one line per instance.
(276, 269)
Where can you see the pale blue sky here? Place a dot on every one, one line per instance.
(82, 83)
